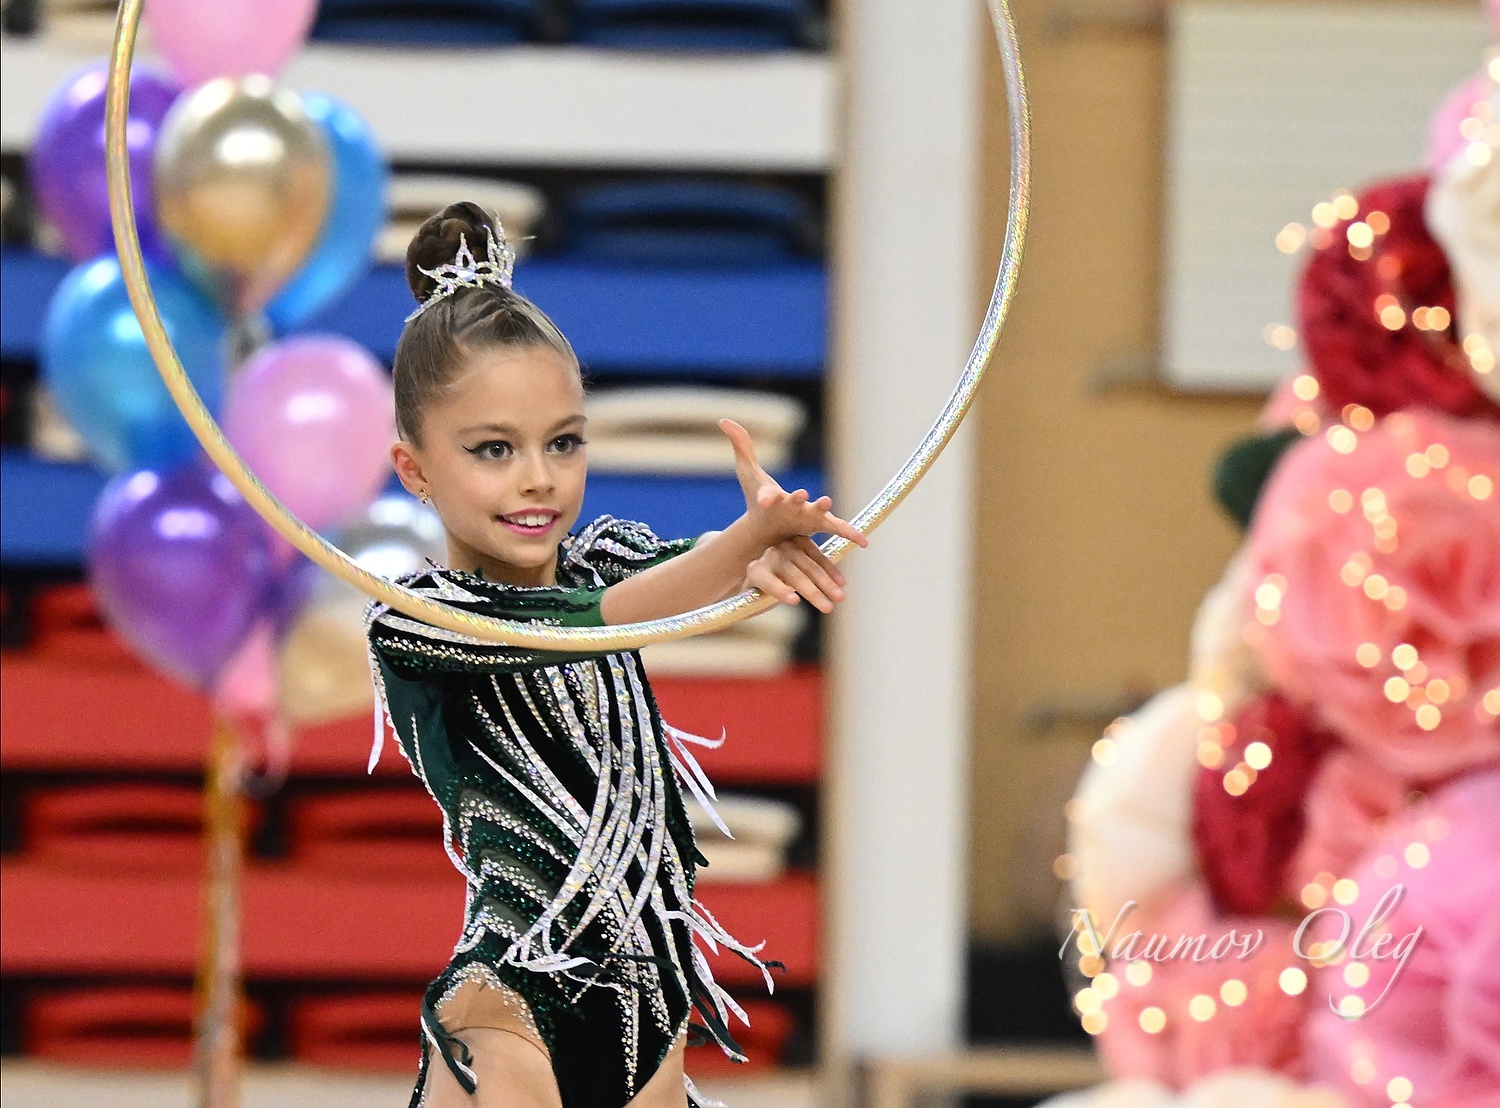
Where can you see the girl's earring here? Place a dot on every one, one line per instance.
(424, 497)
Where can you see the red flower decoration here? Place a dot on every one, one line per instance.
(1358, 308)
(1247, 823)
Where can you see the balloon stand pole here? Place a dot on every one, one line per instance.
(217, 1048)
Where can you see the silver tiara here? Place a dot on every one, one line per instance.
(464, 272)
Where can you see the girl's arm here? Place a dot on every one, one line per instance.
(769, 547)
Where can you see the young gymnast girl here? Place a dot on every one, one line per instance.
(575, 976)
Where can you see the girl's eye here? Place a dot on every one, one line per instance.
(492, 450)
(566, 444)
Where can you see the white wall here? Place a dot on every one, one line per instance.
(906, 262)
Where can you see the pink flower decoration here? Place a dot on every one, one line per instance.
(1346, 808)
(1284, 408)
(1436, 1020)
(1247, 823)
(1377, 558)
(1264, 1029)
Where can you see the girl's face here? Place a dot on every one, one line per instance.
(503, 462)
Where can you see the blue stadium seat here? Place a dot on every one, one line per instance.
(691, 24)
(702, 223)
(428, 22)
(723, 321)
(46, 506)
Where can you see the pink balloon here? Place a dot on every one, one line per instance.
(314, 417)
(203, 39)
(1444, 140)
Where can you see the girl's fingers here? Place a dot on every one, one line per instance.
(795, 576)
(818, 575)
(744, 449)
(813, 551)
(836, 526)
(763, 578)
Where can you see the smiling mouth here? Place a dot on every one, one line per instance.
(533, 522)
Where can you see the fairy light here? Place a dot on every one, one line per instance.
(1480, 354)
(1368, 655)
(1210, 705)
(1291, 238)
(1481, 487)
(1399, 1088)
(1344, 205)
(1152, 1020)
(1281, 336)
(1417, 855)
(1341, 500)
(1345, 891)
(1292, 981)
(1233, 992)
(1258, 755)
(1138, 972)
(1202, 1007)
(1342, 439)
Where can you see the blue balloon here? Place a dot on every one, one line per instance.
(95, 361)
(356, 212)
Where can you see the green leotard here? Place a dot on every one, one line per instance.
(560, 792)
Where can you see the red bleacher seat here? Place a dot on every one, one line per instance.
(119, 1025)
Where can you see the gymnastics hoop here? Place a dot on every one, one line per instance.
(624, 636)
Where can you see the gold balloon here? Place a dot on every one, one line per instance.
(243, 179)
(323, 668)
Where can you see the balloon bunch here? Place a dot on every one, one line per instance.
(258, 207)
(1328, 779)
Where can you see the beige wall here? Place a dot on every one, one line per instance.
(1097, 534)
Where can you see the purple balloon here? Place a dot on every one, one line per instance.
(181, 566)
(291, 588)
(66, 164)
(314, 417)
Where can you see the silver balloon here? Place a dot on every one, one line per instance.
(323, 670)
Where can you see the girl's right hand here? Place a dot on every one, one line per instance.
(774, 513)
(796, 567)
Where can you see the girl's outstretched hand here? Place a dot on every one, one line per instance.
(796, 567)
(779, 515)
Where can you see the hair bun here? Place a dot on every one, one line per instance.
(436, 242)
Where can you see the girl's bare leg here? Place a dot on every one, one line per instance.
(510, 1061)
(665, 1089)
(511, 1071)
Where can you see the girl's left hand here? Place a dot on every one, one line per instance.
(796, 567)
(779, 515)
